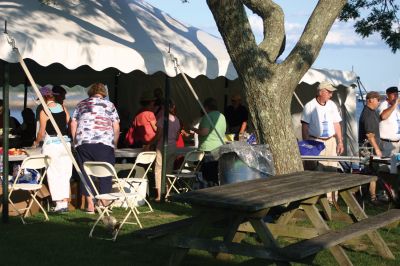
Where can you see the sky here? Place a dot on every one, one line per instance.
(372, 60)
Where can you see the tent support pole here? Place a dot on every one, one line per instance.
(165, 136)
(177, 66)
(298, 100)
(5, 140)
(25, 93)
(48, 113)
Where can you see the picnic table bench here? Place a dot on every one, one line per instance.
(244, 206)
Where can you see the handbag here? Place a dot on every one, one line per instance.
(129, 136)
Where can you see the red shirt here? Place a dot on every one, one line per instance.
(143, 130)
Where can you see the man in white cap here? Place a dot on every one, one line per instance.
(321, 121)
(389, 126)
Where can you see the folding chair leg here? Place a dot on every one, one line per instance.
(115, 234)
(17, 210)
(148, 204)
(187, 184)
(40, 206)
(135, 214)
(102, 212)
(132, 210)
(169, 187)
(144, 198)
(172, 186)
(137, 210)
(29, 206)
(33, 199)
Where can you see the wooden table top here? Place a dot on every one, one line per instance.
(259, 194)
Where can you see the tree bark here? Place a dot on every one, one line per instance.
(269, 86)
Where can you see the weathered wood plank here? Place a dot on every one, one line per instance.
(231, 248)
(326, 208)
(163, 229)
(194, 230)
(263, 232)
(232, 235)
(309, 247)
(359, 214)
(254, 195)
(284, 230)
(320, 225)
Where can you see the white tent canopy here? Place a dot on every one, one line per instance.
(125, 34)
(124, 44)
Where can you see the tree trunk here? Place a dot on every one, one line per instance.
(269, 106)
(269, 86)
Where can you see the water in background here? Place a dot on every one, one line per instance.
(74, 95)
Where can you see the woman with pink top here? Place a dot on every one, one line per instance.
(174, 128)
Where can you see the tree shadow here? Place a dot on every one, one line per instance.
(135, 25)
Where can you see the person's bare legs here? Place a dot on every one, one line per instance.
(90, 204)
(372, 190)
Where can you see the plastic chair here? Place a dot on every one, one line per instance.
(184, 177)
(136, 183)
(101, 170)
(36, 162)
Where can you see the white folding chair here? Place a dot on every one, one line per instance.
(137, 184)
(37, 162)
(101, 170)
(182, 180)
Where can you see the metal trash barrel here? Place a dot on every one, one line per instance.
(231, 169)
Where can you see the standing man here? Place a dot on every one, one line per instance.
(236, 116)
(369, 130)
(389, 126)
(320, 121)
(95, 131)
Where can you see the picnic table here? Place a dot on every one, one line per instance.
(243, 207)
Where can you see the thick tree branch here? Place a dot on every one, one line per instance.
(308, 47)
(235, 30)
(274, 27)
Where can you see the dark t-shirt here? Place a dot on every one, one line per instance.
(369, 123)
(235, 118)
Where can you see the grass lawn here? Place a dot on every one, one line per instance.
(64, 241)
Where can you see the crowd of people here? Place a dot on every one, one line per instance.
(93, 132)
(379, 126)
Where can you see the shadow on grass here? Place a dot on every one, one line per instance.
(64, 241)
